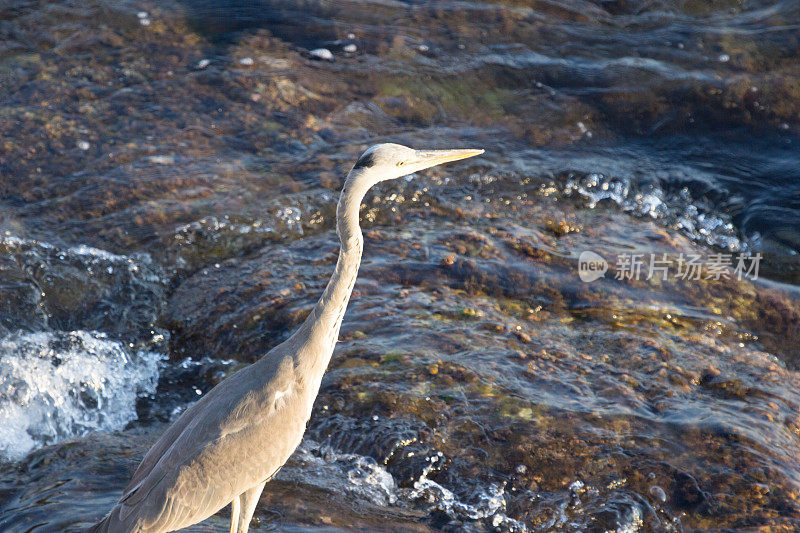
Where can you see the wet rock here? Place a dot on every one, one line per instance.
(687, 493)
(196, 160)
(208, 316)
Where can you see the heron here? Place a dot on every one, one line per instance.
(224, 448)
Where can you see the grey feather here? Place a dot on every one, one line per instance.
(225, 447)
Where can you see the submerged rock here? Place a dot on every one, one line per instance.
(160, 198)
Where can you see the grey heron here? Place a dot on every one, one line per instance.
(224, 448)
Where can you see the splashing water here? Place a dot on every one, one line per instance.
(679, 210)
(355, 474)
(87, 255)
(490, 502)
(364, 478)
(57, 385)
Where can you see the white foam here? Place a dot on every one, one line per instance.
(57, 385)
(364, 478)
(490, 502)
(346, 472)
(675, 210)
(86, 254)
(632, 523)
(82, 250)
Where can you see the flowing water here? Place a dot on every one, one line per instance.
(168, 179)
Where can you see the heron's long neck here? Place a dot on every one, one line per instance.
(322, 325)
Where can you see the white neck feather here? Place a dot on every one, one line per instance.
(320, 331)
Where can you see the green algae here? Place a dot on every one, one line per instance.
(468, 321)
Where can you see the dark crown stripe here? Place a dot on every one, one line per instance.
(366, 160)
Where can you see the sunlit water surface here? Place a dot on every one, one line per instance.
(168, 179)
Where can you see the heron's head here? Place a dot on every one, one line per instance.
(390, 161)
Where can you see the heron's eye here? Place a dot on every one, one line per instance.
(400, 163)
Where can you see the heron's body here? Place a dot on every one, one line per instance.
(225, 447)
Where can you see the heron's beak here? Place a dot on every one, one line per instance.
(431, 158)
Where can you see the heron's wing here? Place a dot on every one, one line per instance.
(158, 449)
(190, 460)
(168, 438)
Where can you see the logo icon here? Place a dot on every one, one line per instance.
(591, 266)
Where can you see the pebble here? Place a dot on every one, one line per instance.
(521, 335)
(162, 159)
(724, 58)
(350, 48)
(83, 145)
(658, 493)
(203, 63)
(351, 35)
(321, 53)
(423, 48)
(247, 61)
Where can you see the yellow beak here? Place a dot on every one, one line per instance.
(431, 158)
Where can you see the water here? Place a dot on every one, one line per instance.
(169, 179)
(57, 385)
